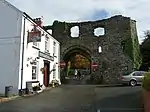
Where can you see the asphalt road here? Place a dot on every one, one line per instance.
(80, 98)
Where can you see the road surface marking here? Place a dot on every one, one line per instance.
(98, 110)
(127, 109)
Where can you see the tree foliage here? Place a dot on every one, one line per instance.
(145, 51)
(80, 61)
(146, 81)
(132, 49)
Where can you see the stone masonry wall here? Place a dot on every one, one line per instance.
(112, 60)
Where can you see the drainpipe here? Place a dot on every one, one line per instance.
(21, 92)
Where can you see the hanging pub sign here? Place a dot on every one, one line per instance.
(34, 36)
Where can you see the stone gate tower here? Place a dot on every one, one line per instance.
(119, 44)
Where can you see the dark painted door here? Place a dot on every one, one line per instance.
(46, 73)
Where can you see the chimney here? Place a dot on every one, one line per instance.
(38, 21)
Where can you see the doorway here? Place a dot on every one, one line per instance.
(46, 73)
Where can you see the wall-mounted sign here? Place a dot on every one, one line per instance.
(94, 66)
(46, 56)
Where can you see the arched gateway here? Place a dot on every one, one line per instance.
(111, 43)
(76, 57)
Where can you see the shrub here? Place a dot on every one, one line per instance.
(146, 81)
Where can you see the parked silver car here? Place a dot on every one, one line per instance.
(133, 78)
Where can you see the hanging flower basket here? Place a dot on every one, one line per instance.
(42, 70)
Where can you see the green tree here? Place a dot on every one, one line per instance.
(145, 51)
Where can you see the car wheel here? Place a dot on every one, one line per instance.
(133, 83)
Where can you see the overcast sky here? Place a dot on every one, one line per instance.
(74, 10)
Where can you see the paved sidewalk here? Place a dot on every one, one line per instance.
(6, 99)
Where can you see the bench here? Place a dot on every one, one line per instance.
(30, 86)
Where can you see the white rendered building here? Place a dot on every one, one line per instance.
(26, 50)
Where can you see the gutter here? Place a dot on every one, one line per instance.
(21, 92)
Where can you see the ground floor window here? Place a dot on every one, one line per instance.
(34, 72)
(54, 72)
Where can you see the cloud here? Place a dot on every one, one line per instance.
(73, 10)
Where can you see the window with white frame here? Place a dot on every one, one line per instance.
(54, 48)
(46, 44)
(34, 72)
(54, 72)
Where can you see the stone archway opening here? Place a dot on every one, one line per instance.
(77, 59)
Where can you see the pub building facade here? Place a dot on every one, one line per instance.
(41, 55)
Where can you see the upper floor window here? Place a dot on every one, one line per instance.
(46, 44)
(54, 48)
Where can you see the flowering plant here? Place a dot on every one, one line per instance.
(42, 70)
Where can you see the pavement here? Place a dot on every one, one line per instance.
(5, 99)
(80, 98)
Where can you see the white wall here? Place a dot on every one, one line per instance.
(30, 54)
(9, 20)
(10, 40)
(56, 59)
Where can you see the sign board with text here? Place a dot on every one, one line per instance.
(46, 56)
